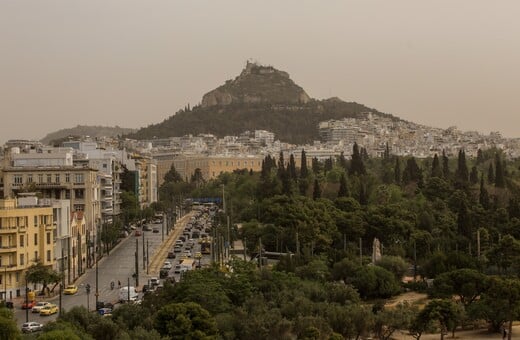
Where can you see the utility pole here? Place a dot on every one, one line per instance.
(147, 257)
(128, 290)
(26, 297)
(97, 276)
(144, 256)
(136, 263)
(62, 283)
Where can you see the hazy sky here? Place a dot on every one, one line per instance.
(134, 63)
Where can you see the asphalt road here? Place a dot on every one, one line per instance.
(118, 266)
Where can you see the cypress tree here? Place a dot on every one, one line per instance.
(343, 189)
(499, 172)
(356, 165)
(304, 171)
(316, 166)
(303, 185)
(462, 173)
(436, 167)
(328, 165)
(483, 195)
(292, 168)
(491, 174)
(316, 192)
(473, 176)
(386, 155)
(281, 165)
(445, 166)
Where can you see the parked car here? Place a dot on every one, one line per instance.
(30, 327)
(70, 290)
(28, 304)
(38, 306)
(138, 233)
(155, 230)
(49, 310)
(106, 312)
(146, 227)
(154, 281)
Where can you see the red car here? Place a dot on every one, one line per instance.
(28, 305)
(138, 233)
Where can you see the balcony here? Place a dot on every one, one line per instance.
(50, 185)
(50, 227)
(8, 249)
(7, 230)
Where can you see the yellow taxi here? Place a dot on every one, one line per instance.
(70, 290)
(49, 309)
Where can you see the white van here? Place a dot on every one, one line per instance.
(126, 292)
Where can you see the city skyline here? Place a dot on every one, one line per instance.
(133, 64)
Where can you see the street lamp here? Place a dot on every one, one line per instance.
(26, 298)
(88, 296)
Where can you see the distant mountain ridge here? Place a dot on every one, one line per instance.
(86, 130)
(260, 98)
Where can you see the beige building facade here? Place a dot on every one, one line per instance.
(26, 238)
(212, 166)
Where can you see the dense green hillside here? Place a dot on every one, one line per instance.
(291, 123)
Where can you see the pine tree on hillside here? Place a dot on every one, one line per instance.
(343, 188)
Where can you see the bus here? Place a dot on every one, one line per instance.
(187, 264)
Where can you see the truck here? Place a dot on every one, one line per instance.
(128, 293)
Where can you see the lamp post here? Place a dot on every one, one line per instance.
(88, 296)
(26, 298)
(5, 283)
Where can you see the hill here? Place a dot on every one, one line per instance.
(84, 130)
(260, 98)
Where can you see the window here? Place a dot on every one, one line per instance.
(36, 256)
(35, 221)
(78, 178)
(49, 178)
(35, 239)
(48, 238)
(67, 178)
(18, 179)
(57, 178)
(79, 194)
(40, 178)
(29, 178)
(48, 256)
(21, 241)
(22, 258)
(67, 194)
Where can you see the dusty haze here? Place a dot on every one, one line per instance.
(134, 63)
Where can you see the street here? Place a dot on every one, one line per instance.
(118, 266)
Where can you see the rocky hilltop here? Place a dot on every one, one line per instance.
(260, 98)
(257, 84)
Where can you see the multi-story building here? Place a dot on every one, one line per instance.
(146, 168)
(78, 245)
(26, 238)
(57, 179)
